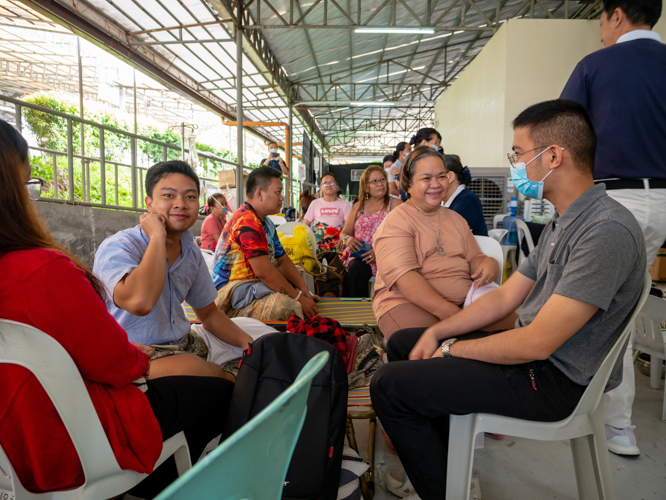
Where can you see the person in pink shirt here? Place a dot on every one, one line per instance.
(327, 215)
(213, 225)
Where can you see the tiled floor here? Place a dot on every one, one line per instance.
(519, 469)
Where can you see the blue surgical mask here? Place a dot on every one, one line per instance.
(523, 184)
(436, 148)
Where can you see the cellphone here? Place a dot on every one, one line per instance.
(275, 155)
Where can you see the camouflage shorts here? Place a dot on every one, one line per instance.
(191, 344)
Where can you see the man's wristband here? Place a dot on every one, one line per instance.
(300, 292)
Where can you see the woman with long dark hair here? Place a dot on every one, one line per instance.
(373, 204)
(460, 199)
(44, 286)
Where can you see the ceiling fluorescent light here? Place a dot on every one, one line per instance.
(372, 103)
(413, 31)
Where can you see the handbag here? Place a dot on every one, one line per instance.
(328, 283)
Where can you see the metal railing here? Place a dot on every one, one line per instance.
(72, 172)
(101, 179)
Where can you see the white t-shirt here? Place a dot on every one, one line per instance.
(332, 213)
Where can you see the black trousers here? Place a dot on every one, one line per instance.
(414, 399)
(356, 281)
(196, 405)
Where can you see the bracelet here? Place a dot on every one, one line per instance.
(300, 292)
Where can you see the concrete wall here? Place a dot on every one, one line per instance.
(527, 61)
(81, 230)
(471, 112)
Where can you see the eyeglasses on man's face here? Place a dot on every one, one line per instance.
(514, 156)
(377, 182)
(327, 184)
(35, 188)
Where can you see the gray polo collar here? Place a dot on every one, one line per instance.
(579, 206)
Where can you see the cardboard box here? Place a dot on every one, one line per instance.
(228, 177)
(658, 267)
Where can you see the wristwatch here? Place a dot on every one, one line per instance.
(446, 346)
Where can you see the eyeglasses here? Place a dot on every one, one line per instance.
(375, 182)
(35, 188)
(327, 184)
(513, 156)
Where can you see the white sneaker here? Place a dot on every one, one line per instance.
(399, 484)
(622, 441)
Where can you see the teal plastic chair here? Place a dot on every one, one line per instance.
(252, 463)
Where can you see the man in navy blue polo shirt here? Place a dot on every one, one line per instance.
(623, 87)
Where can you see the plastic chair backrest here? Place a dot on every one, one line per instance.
(289, 228)
(595, 389)
(252, 463)
(50, 363)
(492, 248)
(498, 234)
(523, 232)
(647, 333)
(497, 219)
(278, 220)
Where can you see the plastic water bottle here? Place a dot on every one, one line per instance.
(509, 223)
(513, 206)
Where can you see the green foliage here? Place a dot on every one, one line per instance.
(51, 132)
(154, 152)
(50, 129)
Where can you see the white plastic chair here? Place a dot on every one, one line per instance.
(278, 220)
(523, 232)
(648, 337)
(209, 259)
(492, 248)
(50, 363)
(498, 218)
(584, 427)
(498, 234)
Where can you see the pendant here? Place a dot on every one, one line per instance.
(441, 251)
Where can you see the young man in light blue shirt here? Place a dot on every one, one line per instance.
(152, 268)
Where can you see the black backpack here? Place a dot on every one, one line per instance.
(270, 366)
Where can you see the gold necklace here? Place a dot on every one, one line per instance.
(440, 250)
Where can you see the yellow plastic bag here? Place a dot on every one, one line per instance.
(297, 247)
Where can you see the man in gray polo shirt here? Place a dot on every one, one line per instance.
(577, 290)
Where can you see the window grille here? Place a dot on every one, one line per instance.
(491, 190)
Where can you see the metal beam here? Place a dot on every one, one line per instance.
(367, 104)
(347, 27)
(260, 53)
(239, 111)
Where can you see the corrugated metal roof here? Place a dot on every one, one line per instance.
(324, 58)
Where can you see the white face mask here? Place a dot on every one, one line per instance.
(273, 150)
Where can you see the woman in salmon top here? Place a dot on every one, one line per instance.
(44, 286)
(427, 257)
(213, 225)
